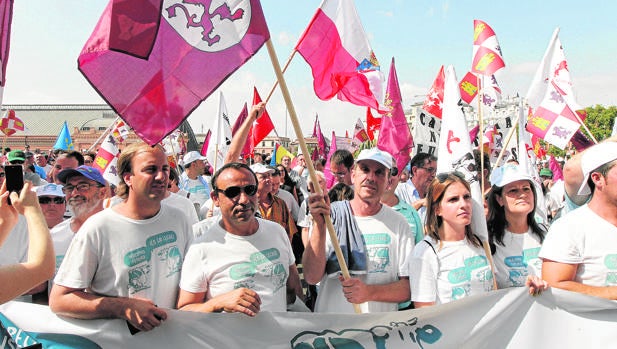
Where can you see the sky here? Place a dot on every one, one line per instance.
(421, 35)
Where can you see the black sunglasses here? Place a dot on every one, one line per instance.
(232, 192)
(47, 200)
(441, 177)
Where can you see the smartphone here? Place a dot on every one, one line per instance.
(14, 176)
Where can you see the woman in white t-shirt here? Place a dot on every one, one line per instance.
(449, 263)
(514, 234)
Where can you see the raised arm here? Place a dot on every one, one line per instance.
(40, 265)
(239, 139)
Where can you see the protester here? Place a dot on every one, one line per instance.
(31, 162)
(18, 157)
(411, 215)
(125, 261)
(64, 160)
(450, 263)
(514, 234)
(286, 196)
(41, 160)
(379, 265)
(272, 207)
(287, 183)
(243, 263)
(341, 163)
(579, 249)
(192, 179)
(20, 277)
(413, 192)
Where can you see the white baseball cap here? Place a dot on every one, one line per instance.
(377, 155)
(50, 189)
(594, 157)
(261, 168)
(192, 156)
(507, 174)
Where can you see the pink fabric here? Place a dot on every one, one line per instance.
(329, 176)
(155, 95)
(6, 8)
(554, 166)
(134, 24)
(394, 134)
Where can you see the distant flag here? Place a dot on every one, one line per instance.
(552, 75)
(156, 94)
(455, 151)
(327, 172)
(120, 130)
(527, 157)
(580, 141)
(434, 97)
(273, 156)
(359, 133)
(487, 57)
(556, 168)
(64, 140)
(341, 59)
(171, 144)
(282, 151)
(261, 127)
(221, 136)
(372, 124)
(106, 160)
(394, 134)
(244, 113)
(204, 147)
(10, 123)
(469, 87)
(322, 147)
(473, 134)
(6, 13)
(346, 133)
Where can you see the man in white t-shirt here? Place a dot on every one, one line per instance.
(580, 251)
(378, 250)
(125, 261)
(243, 263)
(192, 179)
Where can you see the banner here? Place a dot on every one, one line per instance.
(508, 318)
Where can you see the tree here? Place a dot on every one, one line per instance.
(600, 120)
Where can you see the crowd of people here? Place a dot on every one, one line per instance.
(232, 240)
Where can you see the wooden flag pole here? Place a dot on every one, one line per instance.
(485, 244)
(309, 163)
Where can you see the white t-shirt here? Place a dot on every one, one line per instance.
(116, 256)
(15, 247)
(517, 259)
(388, 242)
(584, 238)
(199, 188)
(456, 270)
(223, 262)
(61, 236)
(184, 204)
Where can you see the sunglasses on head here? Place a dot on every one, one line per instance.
(47, 200)
(441, 177)
(232, 192)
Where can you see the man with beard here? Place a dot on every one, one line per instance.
(243, 263)
(125, 261)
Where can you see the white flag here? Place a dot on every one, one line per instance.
(221, 136)
(455, 151)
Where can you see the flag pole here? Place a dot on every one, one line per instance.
(291, 56)
(309, 162)
(508, 138)
(485, 243)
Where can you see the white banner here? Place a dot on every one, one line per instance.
(508, 318)
(426, 134)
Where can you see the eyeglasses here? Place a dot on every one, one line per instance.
(82, 187)
(232, 192)
(44, 200)
(429, 169)
(339, 174)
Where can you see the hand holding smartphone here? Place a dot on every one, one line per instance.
(14, 177)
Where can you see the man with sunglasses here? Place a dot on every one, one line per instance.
(243, 263)
(377, 240)
(413, 192)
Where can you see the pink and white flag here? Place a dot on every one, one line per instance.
(359, 132)
(106, 160)
(455, 151)
(341, 59)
